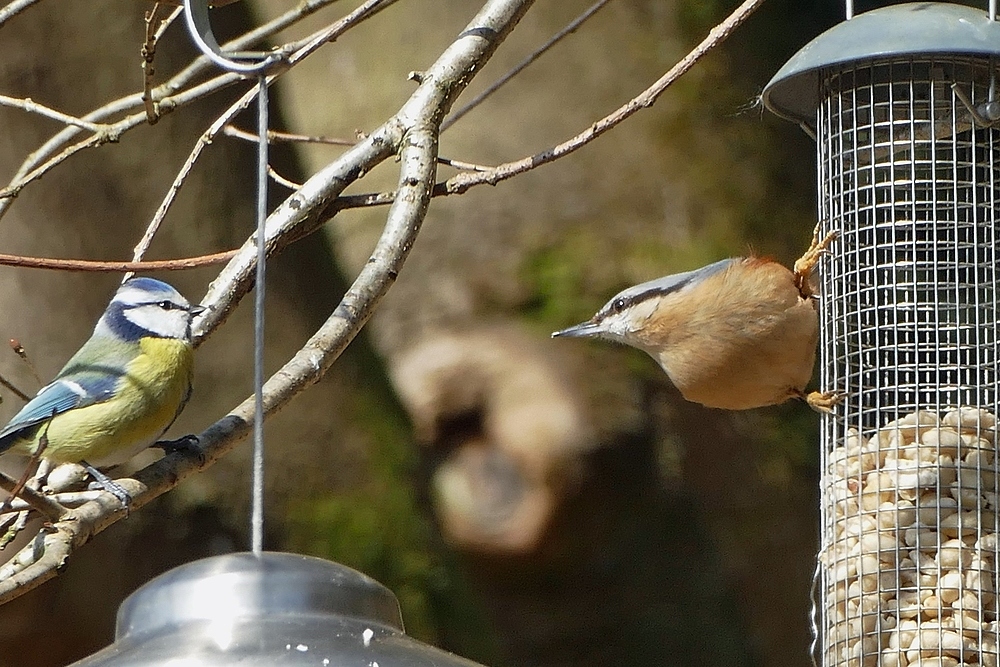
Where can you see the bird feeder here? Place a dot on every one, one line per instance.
(902, 102)
(264, 610)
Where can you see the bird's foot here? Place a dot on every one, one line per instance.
(105, 483)
(185, 443)
(188, 444)
(804, 265)
(822, 401)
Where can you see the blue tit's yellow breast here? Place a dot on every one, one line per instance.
(150, 394)
(163, 362)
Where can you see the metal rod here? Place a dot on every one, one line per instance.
(200, 29)
(993, 10)
(257, 500)
(849, 8)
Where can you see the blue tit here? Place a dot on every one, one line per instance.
(121, 391)
(737, 334)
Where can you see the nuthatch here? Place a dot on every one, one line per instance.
(737, 334)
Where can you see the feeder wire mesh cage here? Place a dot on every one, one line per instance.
(908, 164)
(909, 322)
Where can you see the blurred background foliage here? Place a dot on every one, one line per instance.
(530, 502)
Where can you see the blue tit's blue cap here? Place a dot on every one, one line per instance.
(151, 285)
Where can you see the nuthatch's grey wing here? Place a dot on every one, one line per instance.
(675, 281)
(56, 398)
(611, 321)
(661, 286)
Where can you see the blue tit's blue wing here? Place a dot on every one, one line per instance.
(58, 397)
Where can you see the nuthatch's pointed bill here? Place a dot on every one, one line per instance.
(582, 330)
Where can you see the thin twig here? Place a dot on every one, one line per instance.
(365, 10)
(278, 137)
(344, 202)
(45, 505)
(8, 193)
(67, 499)
(274, 137)
(115, 267)
(211, 3)
(281, 180)
(461, 182)
(464, 166)
(148, 53)
(29, 105)
(558, 37)
(22, 354)
(9, 386)
(166, 96)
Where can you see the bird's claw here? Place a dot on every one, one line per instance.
(803, 267)
(104, 483)
(823, 401)
(186, 443)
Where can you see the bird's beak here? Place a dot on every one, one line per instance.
(582, 330)
(197, 309)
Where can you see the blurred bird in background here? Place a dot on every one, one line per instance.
(120, 392)
(737, 334)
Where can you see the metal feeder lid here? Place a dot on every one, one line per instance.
(272, 609)
(916, 28)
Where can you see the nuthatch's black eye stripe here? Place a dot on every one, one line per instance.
(660, 287)
(654, 288)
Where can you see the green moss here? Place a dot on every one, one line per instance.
(374, 530)
(561, 291)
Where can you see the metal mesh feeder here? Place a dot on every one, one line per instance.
(901, 102)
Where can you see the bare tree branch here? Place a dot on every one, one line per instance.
(461, 182)
(115, 267)
(480, 175)
(29, 105)
(48, 507)
(535, 55)
(172, 94)
(276, 137)
(413, 134)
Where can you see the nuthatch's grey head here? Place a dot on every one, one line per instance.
(629, 311)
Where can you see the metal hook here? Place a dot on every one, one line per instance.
(200, 28)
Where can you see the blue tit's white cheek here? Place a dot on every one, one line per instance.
(172, 323)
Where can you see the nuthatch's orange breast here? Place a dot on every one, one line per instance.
(742, 338)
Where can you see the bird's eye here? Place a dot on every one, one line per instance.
(166, 305)
(618, 305)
